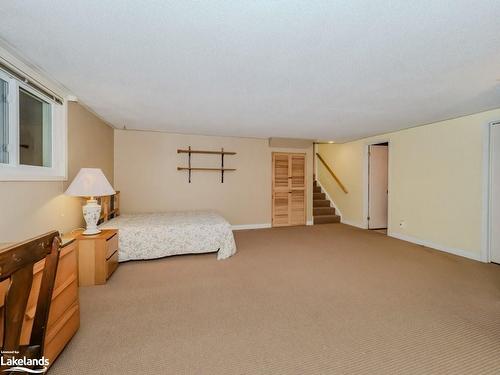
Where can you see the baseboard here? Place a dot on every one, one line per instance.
(451, 250)
(352, 223)
(260, 226)
(251, 226)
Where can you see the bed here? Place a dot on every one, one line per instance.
(157, 235)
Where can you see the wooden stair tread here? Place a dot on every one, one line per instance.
(318, 211)
(319, 196)
(321, 203)
(326, 219)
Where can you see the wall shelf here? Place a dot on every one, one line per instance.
(205, 152)
(204, 169)
(189, 168)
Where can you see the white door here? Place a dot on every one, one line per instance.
(495, 195)
(377, 186)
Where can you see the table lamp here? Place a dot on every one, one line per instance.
(90, 182)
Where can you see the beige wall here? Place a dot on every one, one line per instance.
(30, 208)
(90, 142)
(146, 174)
(435, 182)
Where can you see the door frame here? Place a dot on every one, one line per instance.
(366, 192)
(487, 191)
(306, 181)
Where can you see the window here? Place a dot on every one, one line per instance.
(4, 122)
(32, 133)
(35, 123)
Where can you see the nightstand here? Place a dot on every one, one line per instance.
(97, 257)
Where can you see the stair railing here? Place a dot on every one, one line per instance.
(332, 173)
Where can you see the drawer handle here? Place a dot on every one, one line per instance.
(111, 256)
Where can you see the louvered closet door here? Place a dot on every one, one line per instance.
(281, 209)
(298, 189)
(289, 193)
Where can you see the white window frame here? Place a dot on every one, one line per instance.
(14, 171)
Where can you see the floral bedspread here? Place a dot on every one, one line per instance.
(156, 235)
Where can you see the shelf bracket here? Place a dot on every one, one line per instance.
(222, 166)
(189, 164)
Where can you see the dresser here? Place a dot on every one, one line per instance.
(64, 315)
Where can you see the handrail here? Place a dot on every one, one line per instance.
(332, 173)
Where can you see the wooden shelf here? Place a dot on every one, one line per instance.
(204, 169)
(190, 151)
(206, 152)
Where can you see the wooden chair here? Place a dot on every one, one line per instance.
(16, 264)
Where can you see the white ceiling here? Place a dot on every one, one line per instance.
(306, 69)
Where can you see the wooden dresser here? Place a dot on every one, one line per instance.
(64, 316)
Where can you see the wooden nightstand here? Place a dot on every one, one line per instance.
(97, 257)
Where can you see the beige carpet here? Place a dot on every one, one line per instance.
(327, 299)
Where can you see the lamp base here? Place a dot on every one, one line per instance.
(91, 214)
(91, 232)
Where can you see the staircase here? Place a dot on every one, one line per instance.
(323, 213)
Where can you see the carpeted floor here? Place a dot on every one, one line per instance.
(326, 299)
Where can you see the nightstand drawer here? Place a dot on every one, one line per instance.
(111, 264)
(111, 245)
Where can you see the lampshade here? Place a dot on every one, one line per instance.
(90, 182)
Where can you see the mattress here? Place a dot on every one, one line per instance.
(157, 235)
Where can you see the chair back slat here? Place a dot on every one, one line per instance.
(15, 307)
(16, 264)
(45, 296)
